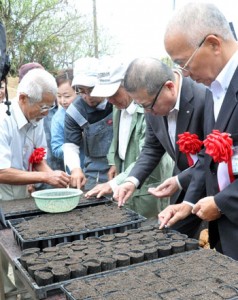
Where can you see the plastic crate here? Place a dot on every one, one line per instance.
(134, 220)
(159, 236)
(203, 274)
(12, 209)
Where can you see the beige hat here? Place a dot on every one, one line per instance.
(85, 72)
(111, 72)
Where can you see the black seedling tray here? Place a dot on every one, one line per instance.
(43, 291)
(49, 241)
(9, 212)
(202, 274)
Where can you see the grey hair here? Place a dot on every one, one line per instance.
(147, 73)
(37, 82)
(196, 20)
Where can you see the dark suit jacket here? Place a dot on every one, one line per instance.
(225, 228)
(157, 141)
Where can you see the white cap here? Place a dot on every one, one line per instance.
(111, 72)
(85, 71)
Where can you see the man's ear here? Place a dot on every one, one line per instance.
(214, 41)
(23, 98)
(170, 85)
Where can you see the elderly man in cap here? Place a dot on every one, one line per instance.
(89, 120)
(128, 139)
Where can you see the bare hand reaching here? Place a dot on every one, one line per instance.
(174, 213)
(58, 179)
(123, 192)
(112, 172)
(99, 190)
(78, 178)
(165, 189)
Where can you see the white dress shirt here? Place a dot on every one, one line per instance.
(173, 114)
(124, 131)
(18, 138)
(220, 85)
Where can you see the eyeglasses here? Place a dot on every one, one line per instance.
(45, 108)
(185, 67)
(151, 106)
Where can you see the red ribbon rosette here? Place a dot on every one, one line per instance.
(36, 157)
(189, 144)
(219, 146)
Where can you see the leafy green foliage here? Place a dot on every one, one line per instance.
(51, 32)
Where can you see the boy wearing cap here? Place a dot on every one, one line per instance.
(128, 139)
(88, 119)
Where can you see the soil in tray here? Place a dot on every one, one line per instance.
(27, 257)
(176, 277)
(31, 250)
(43, 278)
(77, 270)
(33, 268)
(61, 274)
(28, 205)
(136, 256)
(90, 218)
(108, 263)
(96, 254)
(93, 266)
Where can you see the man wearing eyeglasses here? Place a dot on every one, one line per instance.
(173, 105)
(53, 162)
(128, 139)
(200, 40)
(21, 132)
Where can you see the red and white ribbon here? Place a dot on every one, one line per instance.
(224, 175)
(192, 159)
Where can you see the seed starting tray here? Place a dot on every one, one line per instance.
(21, 208)
(203, 274)
(53, 288)
(40, 292)
(134, 221)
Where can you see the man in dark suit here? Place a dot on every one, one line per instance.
(173, 105)
(208, 53)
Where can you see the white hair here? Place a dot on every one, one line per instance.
(196, 20)
(37, 82)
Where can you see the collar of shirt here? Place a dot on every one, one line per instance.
(19, 115)
(220, 85)
(224, 77)
(131, 108)
(124, 129)
(102, 105)
(173, 114)
(177, 104)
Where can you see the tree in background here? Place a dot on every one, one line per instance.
(51, 32)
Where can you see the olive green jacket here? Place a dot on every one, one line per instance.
(135, 143)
